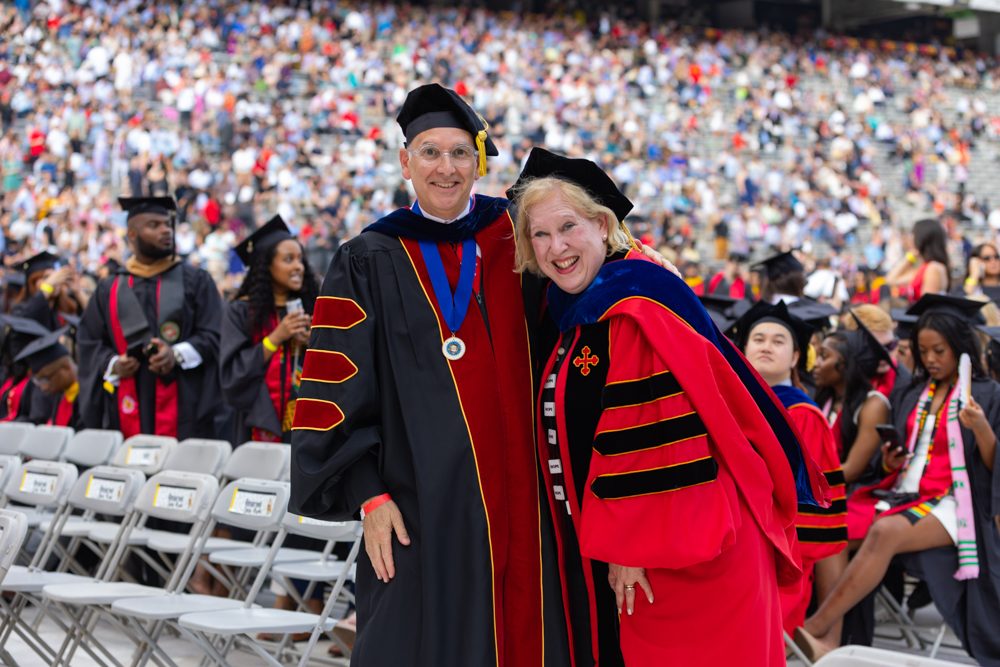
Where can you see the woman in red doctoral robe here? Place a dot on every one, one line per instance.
(646, 418)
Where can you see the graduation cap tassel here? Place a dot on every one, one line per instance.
(481, 147)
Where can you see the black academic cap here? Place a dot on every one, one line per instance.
(72, 323)
(23, 325)
(720, 309)
(762, 311)
(139, 205)
(274, 231)
(431, 106)
(865, 346)
(738, 257)
(40, 262)
(779, 265)
(964, 309)
(14, 279)
(904, 322)
(588, 175)
(815, 313)
(42, 351)
(992, 332)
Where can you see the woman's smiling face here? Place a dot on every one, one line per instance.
(569, 248)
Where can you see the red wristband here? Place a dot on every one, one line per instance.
(377, 502)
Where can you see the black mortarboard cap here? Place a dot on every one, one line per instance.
(865, 348)
(720, 309)
(738, 257)
(274, 231)
(964, 309)
(14, 279)
(432, 106)
(904, 322)
(588, 175)
(815, 313)
(779, 265)
(44, 350)
(992, 332)
(23, 325)
(40, 262)
(763, 311)
(138, 205)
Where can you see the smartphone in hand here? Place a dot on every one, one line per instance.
(888, 433)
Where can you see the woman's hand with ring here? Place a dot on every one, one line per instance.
(624, 581)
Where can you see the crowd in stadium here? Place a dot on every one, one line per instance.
(131, 134)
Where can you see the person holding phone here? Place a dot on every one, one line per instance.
(936, 499)
(982, 274)
(777, 344)
(264, 333)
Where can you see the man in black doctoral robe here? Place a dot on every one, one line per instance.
(415, 413)
(149, 338)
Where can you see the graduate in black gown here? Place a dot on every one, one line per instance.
(149, 338)
(263, 344)
(16, 389)
(51, 291)
(54, 373)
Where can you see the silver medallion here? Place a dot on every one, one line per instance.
(453, 348)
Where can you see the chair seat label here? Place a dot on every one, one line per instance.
(39, 483)
(252, 504)
(308, 521)
(174, 497)
(142, 456)
(100, 488)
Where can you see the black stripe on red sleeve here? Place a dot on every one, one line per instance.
(637, 392)
(821, 535)
(648, 436)
(657, 480)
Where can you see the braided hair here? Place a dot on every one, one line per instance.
(258, 288)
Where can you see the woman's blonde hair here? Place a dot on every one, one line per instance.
(873, 317)
(537, 190)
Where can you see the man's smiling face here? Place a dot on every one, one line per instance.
(443, 189)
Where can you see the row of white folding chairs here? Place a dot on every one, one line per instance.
(865, 656)
(248, 503)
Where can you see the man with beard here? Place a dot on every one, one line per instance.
(149, 338)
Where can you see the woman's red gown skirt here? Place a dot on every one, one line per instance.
(724, 612)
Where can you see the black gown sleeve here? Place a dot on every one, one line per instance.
(41, 406)
(242, 369)
(207, 317)
(335, 470)
(96, 348)
(37, 308)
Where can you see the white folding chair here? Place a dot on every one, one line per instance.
(865, 656)
(144, 452)
(259, 460)
(13, 531)
(243, 624)
(252, 504)
(92, 447)
(173, 496)
(12, 436)
(46, 442)
(199, 455)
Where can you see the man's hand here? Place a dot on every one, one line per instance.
(163, 361)
(659, 259)
(125, 367)
(378, 527)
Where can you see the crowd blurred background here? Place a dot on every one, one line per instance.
(732, 144)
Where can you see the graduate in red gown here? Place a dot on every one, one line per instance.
(663, 509)
(777, 344)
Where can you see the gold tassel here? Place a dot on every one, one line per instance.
(810, 358)
(481, 147)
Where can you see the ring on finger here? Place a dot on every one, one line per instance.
(630, 587)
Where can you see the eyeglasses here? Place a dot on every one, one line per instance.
(462, 155)
(892, 345)
(989, 258)
(41, 381)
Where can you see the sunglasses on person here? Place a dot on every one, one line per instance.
(989, 258)
(892, 345)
